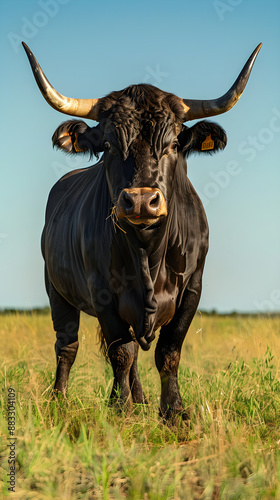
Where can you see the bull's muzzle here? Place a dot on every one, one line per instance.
(142, 205)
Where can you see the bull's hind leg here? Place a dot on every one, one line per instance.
(134, 380)
(66, 324)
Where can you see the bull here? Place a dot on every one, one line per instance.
(125, 240)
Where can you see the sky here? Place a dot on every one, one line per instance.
(192, 48)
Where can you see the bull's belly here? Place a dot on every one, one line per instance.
(72, 286)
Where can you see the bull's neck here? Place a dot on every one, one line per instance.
(149, 243)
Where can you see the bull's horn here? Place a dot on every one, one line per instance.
(199, 109)
(84, 108)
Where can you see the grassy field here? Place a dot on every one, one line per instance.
(81, 448)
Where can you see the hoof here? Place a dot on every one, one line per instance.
(140, 400)
(174, 415)
(58, 395)
(119, 404)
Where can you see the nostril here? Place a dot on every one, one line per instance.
(127, 201)
(154, 201)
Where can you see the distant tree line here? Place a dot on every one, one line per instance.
(213, 312)
(36, 310)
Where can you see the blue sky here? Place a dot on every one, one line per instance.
(193, 48)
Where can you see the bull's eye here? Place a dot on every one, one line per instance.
(174, 145)
(106, 146)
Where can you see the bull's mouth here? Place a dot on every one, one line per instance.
(143, 221)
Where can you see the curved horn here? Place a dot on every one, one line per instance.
(84, 108)
(200, 109)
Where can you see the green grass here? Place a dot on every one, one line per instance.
(81, 448)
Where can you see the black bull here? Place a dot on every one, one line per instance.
(126, 239)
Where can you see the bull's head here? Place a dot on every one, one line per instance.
(142, 135)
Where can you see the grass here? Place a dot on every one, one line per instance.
(81, 448)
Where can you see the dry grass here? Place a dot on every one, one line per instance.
(83, 449)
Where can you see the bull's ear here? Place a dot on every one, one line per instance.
(75, 136)
(203, 137)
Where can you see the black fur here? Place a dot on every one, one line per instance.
(134, 278)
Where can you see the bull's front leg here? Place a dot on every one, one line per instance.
(121, 356)
(66, 320)
(168, 350)
(120, 349)
(127, 384)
